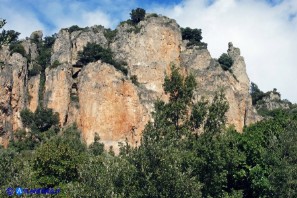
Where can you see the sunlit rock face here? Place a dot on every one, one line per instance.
(99, 98)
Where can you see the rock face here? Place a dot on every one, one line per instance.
(101, 99)
(109, 105)
(57, 90)
(272, 100)
(13, 97)
(211, 78)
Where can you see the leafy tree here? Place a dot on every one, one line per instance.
(7, 36)
(96, 147)
(180, 92)
(216, 118)
(74, 28)
(17, 47)
(226, 61)
(57, 161)
(193, 35)
(42, 120)
(256, 93)
(93, 52)
(137, 15)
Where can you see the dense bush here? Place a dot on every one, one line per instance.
(57, 160)
(93, 52)
(134, 80)
(35, 70)
(17, 47)
(137, 15)
(256, 93)
(226, 61)
(55, 64)
(7, 36)
(193, 36)
(110, 34)
(74, 28)
(42, 120)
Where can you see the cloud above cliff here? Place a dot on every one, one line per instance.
(264, 30)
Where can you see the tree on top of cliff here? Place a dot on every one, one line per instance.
(256, 93)
(7, 36)
(137, 15)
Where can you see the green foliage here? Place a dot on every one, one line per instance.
(96, 148)
(42, 120)
(49, 41)
(216, 118)
(137, 15)
(56, 161)
(110, 34)
(55, 64)
(17, 47)
(134, 80)
(74, 28)
(193, 36)
(198, 115)
(153, 15)
(6, 165)
(226, 61)
(256, 93)
(35, 70)
(93, 52)
(7, 36)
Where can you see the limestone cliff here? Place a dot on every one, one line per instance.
(102, 100)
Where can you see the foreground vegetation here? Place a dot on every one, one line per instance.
(172, 160)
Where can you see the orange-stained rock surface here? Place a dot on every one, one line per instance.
(109, 105)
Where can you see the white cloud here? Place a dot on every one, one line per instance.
(23, 22)
(264, 33)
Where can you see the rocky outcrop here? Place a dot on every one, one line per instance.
(101, 99)
(271, 101)
(68, 44)
(57, 90)
(211, 78)
(109, 105)
(13, 97)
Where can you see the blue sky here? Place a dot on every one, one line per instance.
(264, 30)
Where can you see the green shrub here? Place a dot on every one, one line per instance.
(93, 52)
(55, 64)
(17, 47)
(42, 120)
(256, 93)
(35, 70)
(96, 148)
(134, 80)
(74, 28)
(49, 41)
(110, 34)
(137, 15)
(153, 15)
(193, 36)
(74, 98)
(226, 61)
(8, 36)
